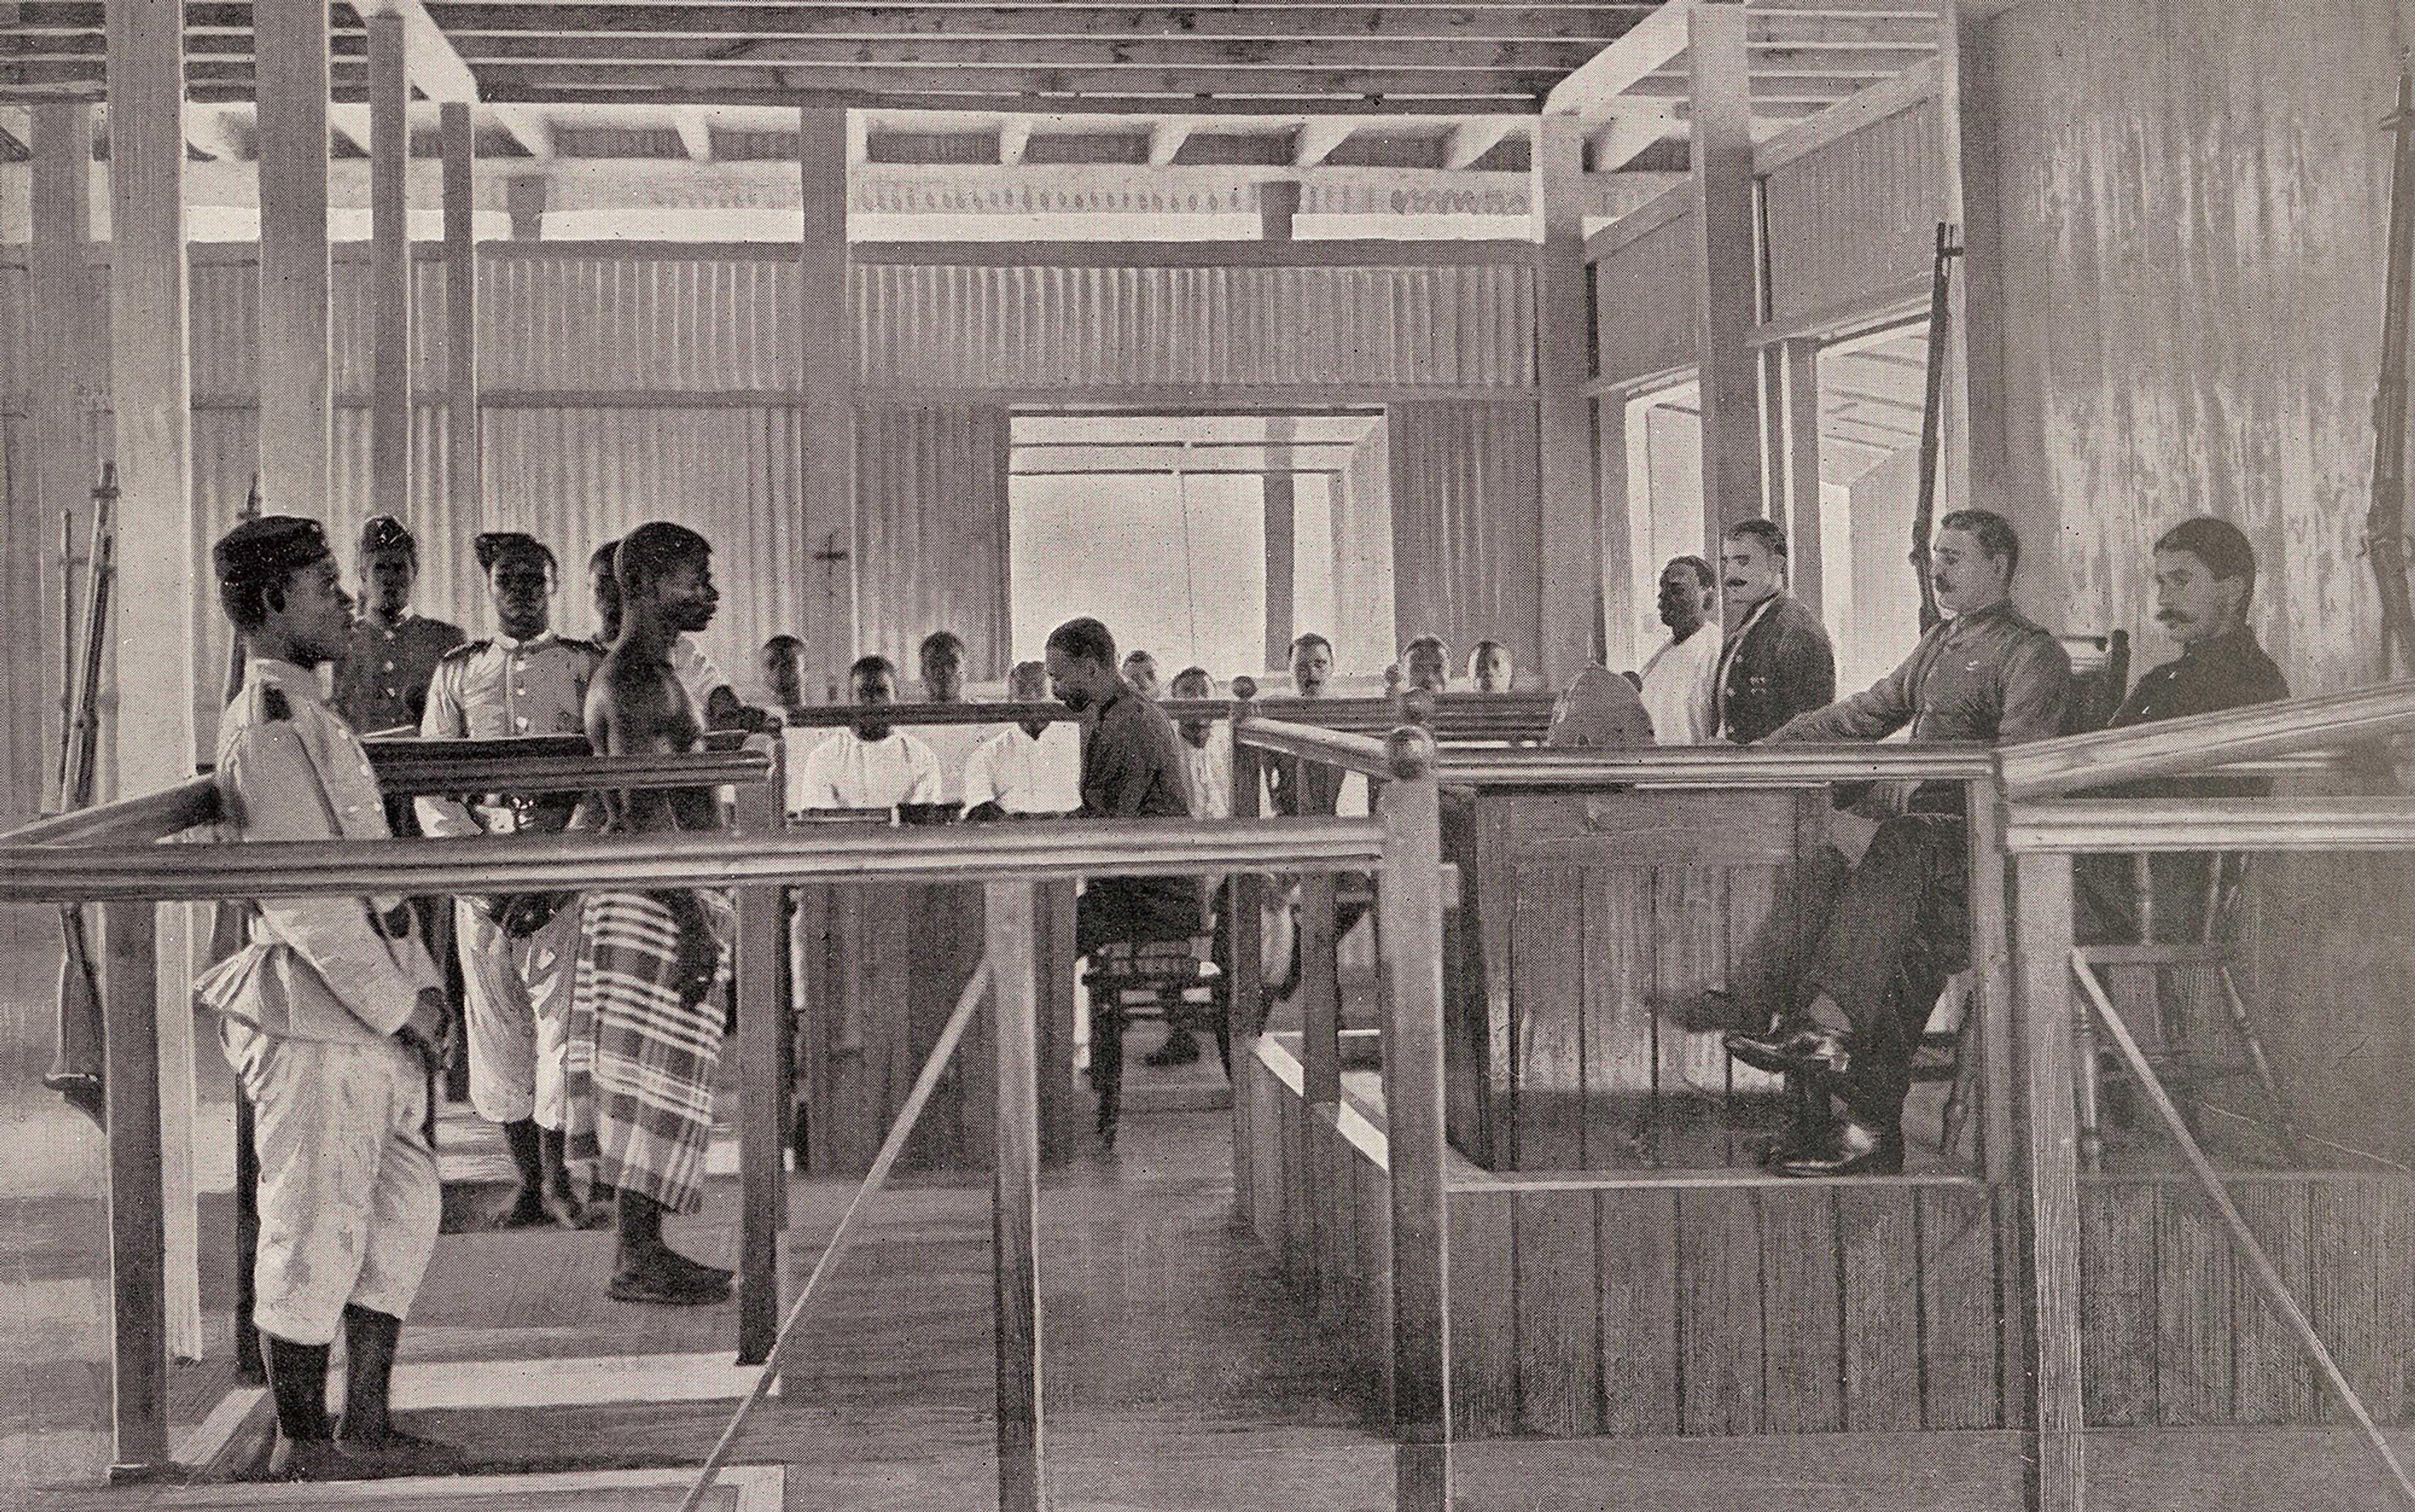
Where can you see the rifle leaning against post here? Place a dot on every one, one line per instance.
(2385, 523)
(75, 1073)
(234, 637)
(1932, 421)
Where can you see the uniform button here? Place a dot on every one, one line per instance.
(521, 722)
(391, 693)
(389, 667)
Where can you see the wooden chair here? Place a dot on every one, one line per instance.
(2100, 678)
(1146, 979)
(2171, 1032)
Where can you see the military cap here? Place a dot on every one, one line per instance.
(267, 549)
(383, 532)
(492, 546)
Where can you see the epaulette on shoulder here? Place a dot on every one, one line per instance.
(465, 650)
(593, 648)
(273, 703)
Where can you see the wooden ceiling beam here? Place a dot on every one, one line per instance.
(695, 123)
(1000, 79)
(1165, 139)
(707, 90)
(1023, 52)
(1804, 89)
(1471, 140)
(1453, 22)
(1317, 139)
(1652, 44)
(1635, 126)
(1013, 138)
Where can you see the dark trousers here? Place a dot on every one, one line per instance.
(1901, 927)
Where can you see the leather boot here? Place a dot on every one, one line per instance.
(297, 1381)
(1852, 1150)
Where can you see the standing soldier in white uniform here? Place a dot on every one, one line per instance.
(331, 1016)
(516, 952)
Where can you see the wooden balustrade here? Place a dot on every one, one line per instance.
(2206, 742)
(48, 862)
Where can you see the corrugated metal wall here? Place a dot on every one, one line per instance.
(1649, 302)
(942, 326)
(1857, 216)
(1467, 524)
(622, 385)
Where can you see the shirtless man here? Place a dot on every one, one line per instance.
(708, 687)
(644, 1038)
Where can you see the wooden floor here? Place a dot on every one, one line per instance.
(1182, 1372)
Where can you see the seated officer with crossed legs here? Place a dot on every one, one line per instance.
(1902, 923)
(333, 1017)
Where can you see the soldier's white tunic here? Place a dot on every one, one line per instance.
(348, 1197)
(517, 991)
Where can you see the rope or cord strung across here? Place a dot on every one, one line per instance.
(843, 1235)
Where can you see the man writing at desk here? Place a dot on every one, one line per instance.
(1132, 769)
(1902, 924)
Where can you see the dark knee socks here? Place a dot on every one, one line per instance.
(527, 1152)
(369, 1341)
(549, 1147)
(297, 1379)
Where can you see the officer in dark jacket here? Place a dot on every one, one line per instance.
(1778, 662)
(2205, 576)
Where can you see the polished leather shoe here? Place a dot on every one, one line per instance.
(1779, 1052)
(1852, 1150)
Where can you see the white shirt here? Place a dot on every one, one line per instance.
(1027, 776)
(1210, 770)
(696, 673)
(848, 771)
(1680, 690)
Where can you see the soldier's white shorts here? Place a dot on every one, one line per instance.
(517, 1010)
(348, 1196)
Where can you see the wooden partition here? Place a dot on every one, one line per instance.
(1605, 939)
(876, 969)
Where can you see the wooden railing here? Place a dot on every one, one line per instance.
(2044, 831)
(1450, 716)
(129, 877)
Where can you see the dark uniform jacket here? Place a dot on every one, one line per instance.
(1779, 666)
(2227, 672)
(1133, 769)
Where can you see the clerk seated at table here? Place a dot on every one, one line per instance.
(1902, 924)
(1034, 767)
(1132, 769)
(872, 764)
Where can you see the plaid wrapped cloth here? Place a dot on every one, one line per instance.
(641, 1067)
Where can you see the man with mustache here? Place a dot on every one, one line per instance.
(1678, 689)
(2205, 576)
(1902, 923)
(1778, 662)
(516, 952)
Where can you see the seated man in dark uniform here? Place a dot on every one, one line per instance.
(1776, 662)
(1902, 924)
(1132, 769)
(2205, 576)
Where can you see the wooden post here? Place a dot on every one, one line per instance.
(389, 266)
(62, 312)
(1022, 1480)
(1619, 614)
(1991, 960)
(296, 397)
(1720, 118)
(1278, 204)
(828, 375)
(1320, 1002)
(463, 487)
(1281, 487)
(1978, 469)
(2058, 1470)
(1794, 370)
(1409, 918)
(1244, 987)
(762, 1099)
(138, 1255)
(154, 604)
(1571, 536)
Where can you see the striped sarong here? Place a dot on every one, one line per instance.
(640, 1068)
